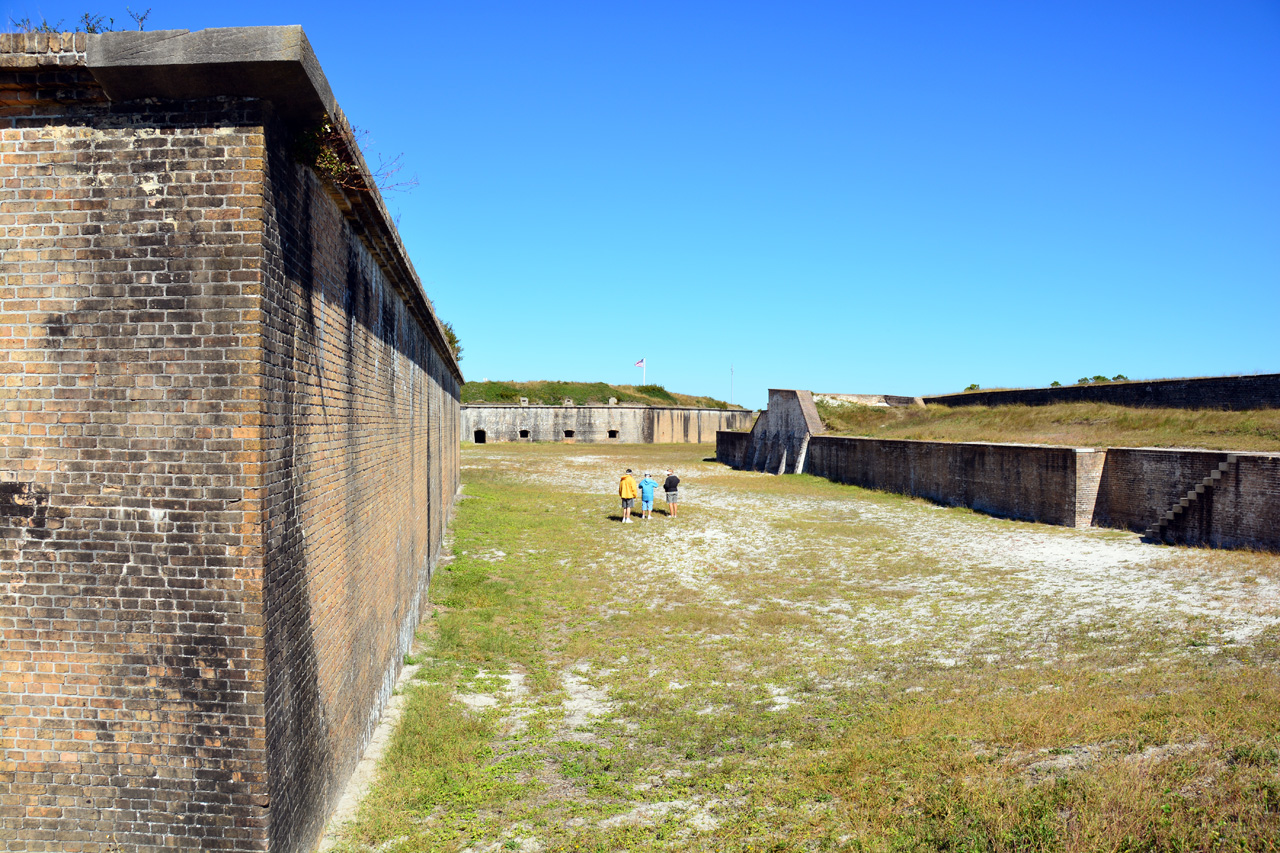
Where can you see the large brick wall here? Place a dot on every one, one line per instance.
(1237, 506)
(623, 424)
(229, 445)
(1261, 391)
(1139, 484)
(1241, 510)
(1033, 482)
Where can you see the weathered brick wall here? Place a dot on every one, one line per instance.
(1212, 392)
(1140, 484)
(1032, 482)
(1240, 510)
(632, 424)
(1122, 487)
(360, 449)
(130, 608)
(229, 441)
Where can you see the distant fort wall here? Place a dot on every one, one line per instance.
(893, 401)
(1259, 391)
(604, 424)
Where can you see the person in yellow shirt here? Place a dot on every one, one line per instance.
(627, 491)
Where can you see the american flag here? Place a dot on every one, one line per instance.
(640, 363)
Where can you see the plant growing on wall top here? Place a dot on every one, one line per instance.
(88, 23)
(327, 149)
(452, 337)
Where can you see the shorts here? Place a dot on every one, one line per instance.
(671, 497)
(628, 503)
(646, 505)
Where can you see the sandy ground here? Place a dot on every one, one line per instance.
(949, 584)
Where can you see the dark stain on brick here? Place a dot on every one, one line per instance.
(58, 327)
(200, 669)
(26, 505)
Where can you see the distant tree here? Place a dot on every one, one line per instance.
(1055, 384)
(1083, 380)
(973, 387)
(1119, 377)
(1100, 378)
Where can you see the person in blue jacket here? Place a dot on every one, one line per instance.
(647, 485)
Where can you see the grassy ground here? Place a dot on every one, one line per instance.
(793, 664)
(1078, 424)
(582, 393)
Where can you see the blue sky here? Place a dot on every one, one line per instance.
(894, 197)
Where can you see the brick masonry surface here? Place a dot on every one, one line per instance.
(1239, 510)
(1242, 510)
(1260, 391)
(1139, 484)
(623, 424)
(1024, 481)
(230, 437)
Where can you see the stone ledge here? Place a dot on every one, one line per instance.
(273, 63)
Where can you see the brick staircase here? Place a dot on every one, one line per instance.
(1157, 530)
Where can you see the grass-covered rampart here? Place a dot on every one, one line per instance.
(582, 394)
(1075, 424)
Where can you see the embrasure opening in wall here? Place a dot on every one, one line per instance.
(613, 433)
(568, 433)
(524, 433)
(479, 436)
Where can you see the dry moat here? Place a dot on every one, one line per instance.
(794, 664)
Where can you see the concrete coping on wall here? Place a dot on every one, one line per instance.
(973, 443)
(600, 406)
(273, 63)
(277, 65)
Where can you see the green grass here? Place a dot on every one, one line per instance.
(582, 393)
(768, 677)
(1076, 424)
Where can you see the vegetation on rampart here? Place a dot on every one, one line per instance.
(1075, 424)
(583, 394)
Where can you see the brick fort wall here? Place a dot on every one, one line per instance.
(623, 424)
(229, 435)
(1261, 391)
(1036, 483)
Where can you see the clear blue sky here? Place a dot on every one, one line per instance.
(893, 197)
